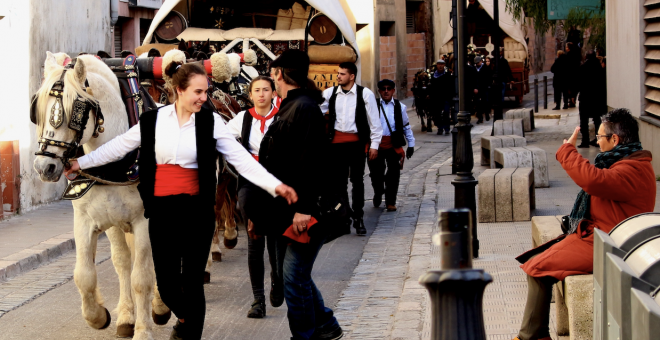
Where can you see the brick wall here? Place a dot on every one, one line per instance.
(415, 57)
(388, 58)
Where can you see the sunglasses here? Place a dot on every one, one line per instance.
(386, 88)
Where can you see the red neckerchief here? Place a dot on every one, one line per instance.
(263, 120)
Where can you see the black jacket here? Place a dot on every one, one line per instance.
(593, 86)
(483, 77)
(442, 87)
(559, 70)
(504, 74)
(293, 149)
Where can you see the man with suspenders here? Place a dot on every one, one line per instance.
(396, 132)
(353, 130)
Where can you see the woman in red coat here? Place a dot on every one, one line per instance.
(620, 184)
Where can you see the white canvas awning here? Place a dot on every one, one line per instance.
(508, 24)
(331, 8)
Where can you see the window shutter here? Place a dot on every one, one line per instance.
(117, 41)
(410, 22)
(652, 57)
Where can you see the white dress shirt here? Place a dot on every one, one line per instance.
(235, 127)
(177, 145)
(389, 111)
(345, 109)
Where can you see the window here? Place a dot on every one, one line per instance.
(387, 29)
(652, 57)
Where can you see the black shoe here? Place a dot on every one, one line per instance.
(258, 310)
(594, 143)
(447, 132)
(439, 132)
(479, 121)
(565, 107)
(556, 108)
(488, 117)
(423, 128)
(358, 224)
(333, 334)
(429, 129)
(378, 199)
(178, 331)
(276, 291)
(583, 146)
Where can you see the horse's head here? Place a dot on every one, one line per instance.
(66, 115)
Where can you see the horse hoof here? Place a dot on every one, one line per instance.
(108, 319)
(161, 319)
(125, 331)
(217, 256)
(230, 244)
(207, 277)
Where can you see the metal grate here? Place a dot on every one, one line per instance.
(410, 22)
(652, 57)
(117, 41)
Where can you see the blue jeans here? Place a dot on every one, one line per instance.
(307, 311)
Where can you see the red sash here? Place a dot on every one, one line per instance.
(386, 144)
(172, 179)
(304, 236)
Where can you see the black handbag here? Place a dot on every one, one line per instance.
(565, 224)
(334, 212)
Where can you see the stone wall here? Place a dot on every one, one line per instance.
(416, 58)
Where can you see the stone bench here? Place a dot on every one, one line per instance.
(506, 195)
(573, 296)
(509, 127)
(490, 143)
(527, 115)
(524, 157)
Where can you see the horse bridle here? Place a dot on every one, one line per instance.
(79, 118)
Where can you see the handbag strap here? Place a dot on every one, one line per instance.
(385, 115)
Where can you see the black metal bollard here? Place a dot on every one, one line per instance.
(545, 92)
(456, 289)
(536, 94)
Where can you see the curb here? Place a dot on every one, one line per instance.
(32, 258)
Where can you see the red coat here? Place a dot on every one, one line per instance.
(626, 189)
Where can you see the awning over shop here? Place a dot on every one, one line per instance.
(508, 24)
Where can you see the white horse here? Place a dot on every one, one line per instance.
(117, 210)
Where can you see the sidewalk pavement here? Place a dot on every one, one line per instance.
(384, 300)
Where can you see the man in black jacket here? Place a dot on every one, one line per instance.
(441, 92)
(292, 149)
(593, 94)
(483, 80)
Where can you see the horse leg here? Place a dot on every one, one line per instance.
(215, 245)
(160, 313)
(121, 259)
(143, 279)
(84, 274)
(228, 212)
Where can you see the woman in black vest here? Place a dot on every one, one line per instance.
(250, 126)
(179, 148)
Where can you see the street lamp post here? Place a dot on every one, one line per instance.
(464, 183)
(456, 289)
(455, 107)
(497, 84)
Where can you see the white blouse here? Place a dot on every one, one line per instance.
(177, 145)
(235, 127)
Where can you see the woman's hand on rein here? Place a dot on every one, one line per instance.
(287, 193)
(73, 169)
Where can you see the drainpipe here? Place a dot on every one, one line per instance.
(114, 12)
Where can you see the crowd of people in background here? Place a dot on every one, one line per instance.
(575, 80)
(434, 90)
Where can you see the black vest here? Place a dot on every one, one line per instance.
(246, 130)
(361, 122)
(206, 157)
(398, 139)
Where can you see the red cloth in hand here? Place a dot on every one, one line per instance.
(304, 236)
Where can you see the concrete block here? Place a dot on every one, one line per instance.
(522, 193)
(503, 208)
(517, 127)
(507, 141)
(524, 157)
(544, 229)
(498, 129)
(487, 207)
(540, 161)
(506, 158)
(488, 145)
(578, 298)
(561, 320)
(507, 127)
(529, 113)
(519, 141)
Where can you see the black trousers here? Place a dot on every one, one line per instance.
(536, 317)
(385, 182)
(561, 91)
(181, 229)
(585, 113)
(347, 161)
(482, 105)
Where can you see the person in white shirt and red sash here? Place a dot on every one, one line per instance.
(250, 126)
(353, 128)
(178, 156)
(396, 132)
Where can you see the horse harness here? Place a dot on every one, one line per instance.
(79, 118)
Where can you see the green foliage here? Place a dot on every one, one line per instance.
(537, 9)
(592, 19)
